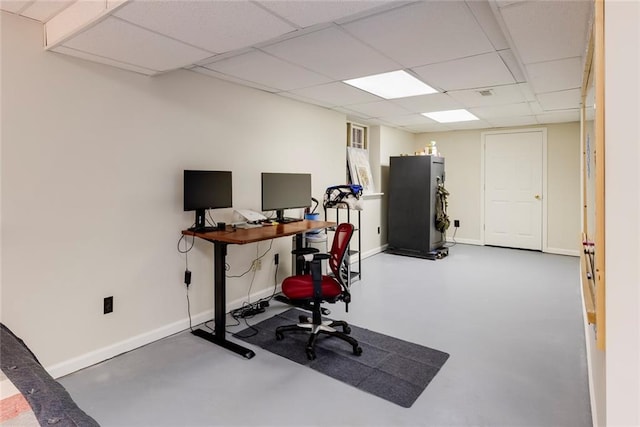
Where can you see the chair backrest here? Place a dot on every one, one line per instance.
(339, 252)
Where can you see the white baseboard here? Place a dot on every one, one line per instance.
(465, 241)
(102, 354)
(558, 251)
(374, 251)
(105, 353)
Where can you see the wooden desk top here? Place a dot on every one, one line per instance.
(241, 236)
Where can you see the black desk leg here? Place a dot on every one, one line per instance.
(220, 302)
(299, 267)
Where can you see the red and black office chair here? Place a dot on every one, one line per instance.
(311, 290)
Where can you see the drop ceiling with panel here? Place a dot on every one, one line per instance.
(509, 62)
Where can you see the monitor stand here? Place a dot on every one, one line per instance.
(200, 226)
(281, 219)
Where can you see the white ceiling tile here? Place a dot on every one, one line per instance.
(44, 10)
(210, 25)
(513, 65)
(312, 12)
(503, 3)
(424, 32)
(352, 115)
(407, 120)
(497, 111)
(472, 124)
(13, 6)
(336, 94)
(359, 114)
(487, 20)
(112, 4)
(333, 53)
(513, 121)
(548, 30)
(299, 48)
(500, 95)
(429, 103)
(562, 100)
(431, 127)
(219, 57)
(559, 116)
(259, 67)
(379, 109)
(536, 108)
(525, 88)
(377, 122)
(557, 75)
(233, 79)
(123, 42)
(467, 73)
(306, 100)
(102, 60)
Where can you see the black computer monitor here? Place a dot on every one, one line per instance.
(206, 190)
(282, 191)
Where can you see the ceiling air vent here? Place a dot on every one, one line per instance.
(485, 92)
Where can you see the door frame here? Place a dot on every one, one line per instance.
(544, 179)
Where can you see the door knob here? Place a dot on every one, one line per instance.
(538, 197)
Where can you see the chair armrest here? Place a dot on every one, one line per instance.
(314, 257)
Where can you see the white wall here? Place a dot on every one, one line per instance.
(462, 156)
(462, 151)
(622, 211)
(391, 142)
(92, 161)
(564, 211)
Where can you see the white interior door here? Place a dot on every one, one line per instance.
(513, 189)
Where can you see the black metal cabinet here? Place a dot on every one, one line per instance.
(413, 182)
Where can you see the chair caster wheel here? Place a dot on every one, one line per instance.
(279, 336)
(346, 330)
(357, 351)
(303, 319)
(311, 354)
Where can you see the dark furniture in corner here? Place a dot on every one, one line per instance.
(413, 182)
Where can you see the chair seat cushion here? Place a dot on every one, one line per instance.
(301, 287)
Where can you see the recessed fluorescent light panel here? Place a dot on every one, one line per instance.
(395, 84)
(451, 116)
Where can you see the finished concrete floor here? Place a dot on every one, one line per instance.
(510, 319)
